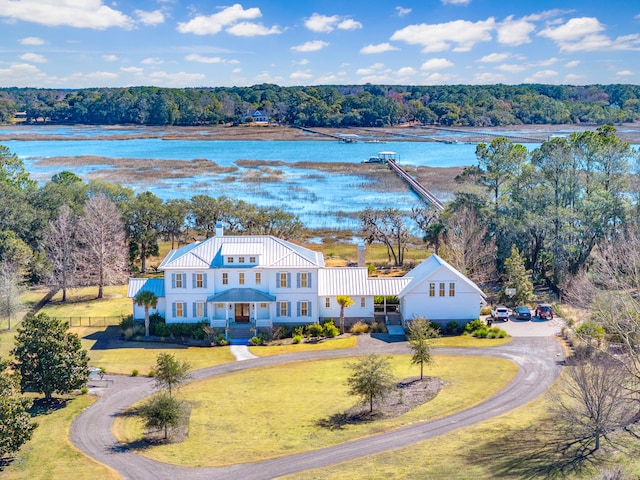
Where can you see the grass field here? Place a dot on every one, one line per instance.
(284, 409)
(107, 350)
(517, 445)
(50, 455)
(82, 302)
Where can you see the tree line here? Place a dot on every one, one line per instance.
(328, 106)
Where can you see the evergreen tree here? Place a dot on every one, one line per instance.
(518, 277)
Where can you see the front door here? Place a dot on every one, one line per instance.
(242, 313)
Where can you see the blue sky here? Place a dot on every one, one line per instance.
(170, 43)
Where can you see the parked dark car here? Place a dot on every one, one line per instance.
(544, 311)
(522, 313)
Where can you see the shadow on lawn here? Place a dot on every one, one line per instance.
(540, 451)
(111, 338)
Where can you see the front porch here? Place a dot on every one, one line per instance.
(240, 312)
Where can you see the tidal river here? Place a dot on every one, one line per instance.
(308, 178)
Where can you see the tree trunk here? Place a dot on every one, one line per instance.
(146, 321)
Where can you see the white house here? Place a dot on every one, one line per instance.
(262, 281)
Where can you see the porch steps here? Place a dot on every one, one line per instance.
(239, 335)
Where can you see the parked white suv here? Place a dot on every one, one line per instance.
(500, 312)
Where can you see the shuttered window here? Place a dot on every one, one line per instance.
(179, 310)
(199, 309)
(199, 280)
(178, 280)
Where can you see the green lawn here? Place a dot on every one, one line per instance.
(50, 455)
(107, 350)
(83, 302)
(278, 410)
(516, 445)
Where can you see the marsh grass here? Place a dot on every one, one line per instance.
(273, 411)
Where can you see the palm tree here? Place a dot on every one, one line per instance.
(343, 301)
(148, 300)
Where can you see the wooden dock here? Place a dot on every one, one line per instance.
(416, 186)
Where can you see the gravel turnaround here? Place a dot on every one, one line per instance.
(539, 359)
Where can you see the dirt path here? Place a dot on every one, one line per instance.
(539, 360)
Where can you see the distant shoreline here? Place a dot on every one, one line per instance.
(405, 133)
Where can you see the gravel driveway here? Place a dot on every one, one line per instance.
(539, 358)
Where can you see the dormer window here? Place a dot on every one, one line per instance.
(240, 259)
(229, 259)
(252, 260)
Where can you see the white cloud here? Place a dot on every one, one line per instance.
(456, 2)
(155, 17)
(572, 63)
(195, 57)
(165, 79)
(152, 61)
(515, 32)
(406, 72)
(436, 64)
(439, 37)
(136, 70)
(574, 78)
(73, 13)
(624, 73)
(438, 79)
(22, 75)
(370, 70)
(494, 57)
(511, 67)
(301, 75)
(545, 63)
(574, 29)
(349, 24)
(541, 76)
(33, 58)
(31, 41)
(401, 11)
(584, 34)
(100, 76)
(326, 24)
(488, 78)
(311, 46)
(249, 29)
(304, 61)
(321, 23)
(110, 58)
(379, 48)
(212, 24)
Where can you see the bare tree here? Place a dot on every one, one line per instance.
(387, 227)
(468, 247)
(61, 250)
(593, 402)
(11, 287)
(103, 247)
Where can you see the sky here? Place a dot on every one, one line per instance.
(171, 43)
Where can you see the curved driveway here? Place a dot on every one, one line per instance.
(539, 360)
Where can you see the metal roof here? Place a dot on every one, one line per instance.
(153, 285)
(275, 253)
(241, 295)
(432, 264)
(241, 249)
(356, 282)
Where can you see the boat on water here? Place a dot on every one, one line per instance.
(382, 157)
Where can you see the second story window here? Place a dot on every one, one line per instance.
(198, 280)
(225, 278)
(327, 302)
(363, 302)
(258, 278)
(432, 289)
(178, 280)
(303, 280)
(241, 278)
(442, 289)
(283, 280)
(452, 289)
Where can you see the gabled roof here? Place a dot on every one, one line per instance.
(428, 268)
(273, 252)
(355, 282)
(153, 285)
